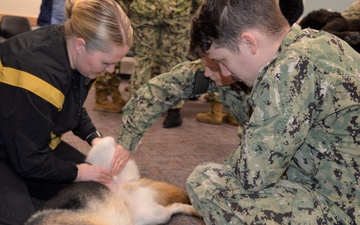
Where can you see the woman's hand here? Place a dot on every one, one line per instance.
(121, 157)
(87, 172)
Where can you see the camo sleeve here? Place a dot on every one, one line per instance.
(305, 109)
(154, 98)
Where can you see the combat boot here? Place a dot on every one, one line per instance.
(102, 104)
(116, 97)
(212, 117)
(229, 119)
(173, 119)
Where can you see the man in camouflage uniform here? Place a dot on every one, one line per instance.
(107, 95)
(160, 42)
(298, 162)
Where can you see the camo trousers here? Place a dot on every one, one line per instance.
(105, 81)
(159, 45)
(219, 197)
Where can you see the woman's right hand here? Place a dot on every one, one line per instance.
(87, 172)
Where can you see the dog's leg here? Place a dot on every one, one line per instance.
(151, 214)
(183, 209)
(162, 214)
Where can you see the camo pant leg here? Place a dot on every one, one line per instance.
(174, 45)
(145, 51)
(107, 80)
(158, 48)
(214, 97)
(219, 197)
(115, 80)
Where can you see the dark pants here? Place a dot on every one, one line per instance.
(17, 194)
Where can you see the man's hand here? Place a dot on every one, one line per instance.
(119, 160)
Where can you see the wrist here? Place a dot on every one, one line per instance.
(92, 136)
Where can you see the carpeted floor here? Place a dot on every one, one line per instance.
(170, 155)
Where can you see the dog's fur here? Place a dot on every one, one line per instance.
(334, 23)
(129, 199)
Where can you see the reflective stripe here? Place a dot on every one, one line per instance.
(55, 140)
(33, 84)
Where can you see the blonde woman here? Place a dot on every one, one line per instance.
(45, 77)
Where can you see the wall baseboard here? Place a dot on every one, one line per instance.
(32, 20)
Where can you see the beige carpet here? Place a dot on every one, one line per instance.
(170, 154)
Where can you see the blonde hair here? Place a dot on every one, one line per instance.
(101, 23)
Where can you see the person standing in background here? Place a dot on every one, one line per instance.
(51, 12)
(161, 41)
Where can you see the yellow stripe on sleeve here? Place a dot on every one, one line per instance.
(33, 84)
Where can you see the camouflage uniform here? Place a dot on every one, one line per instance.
(105, 80)
(353, 12)
(107, 84)
(165, 91)
(160, 37)
(305, 124)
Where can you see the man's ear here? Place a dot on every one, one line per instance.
(80, 45)
(249, 42)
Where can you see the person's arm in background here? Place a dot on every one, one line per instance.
(154, 98)
(158, 95)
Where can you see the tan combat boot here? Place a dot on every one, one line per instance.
(229, 119)
(212, 117)
(116, 97)
(103, 105)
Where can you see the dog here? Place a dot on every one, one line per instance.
(127, 200)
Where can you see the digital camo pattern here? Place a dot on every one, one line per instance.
(353, 11)
(298, 162)
(214, 97)
(106, 81)
(165, 91)
(161, 37)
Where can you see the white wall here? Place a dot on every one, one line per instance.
(29, 8)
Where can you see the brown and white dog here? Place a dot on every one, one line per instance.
(130, 200)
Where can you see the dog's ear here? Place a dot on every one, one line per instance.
(102, 152)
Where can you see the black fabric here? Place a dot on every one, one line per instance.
(201, 83)
(17, 194)
(26, 119)
(291, 9)
(15, 202)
